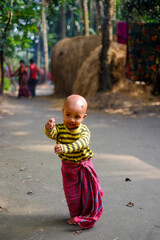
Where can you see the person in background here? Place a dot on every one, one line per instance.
(22, 73)
(33, 77)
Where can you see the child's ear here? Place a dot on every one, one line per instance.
(85, 115)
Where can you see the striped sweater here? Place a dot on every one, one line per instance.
(74, 144)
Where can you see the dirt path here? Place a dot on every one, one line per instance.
(32, 203)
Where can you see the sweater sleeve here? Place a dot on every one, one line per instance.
(81, 143)
(51, 133)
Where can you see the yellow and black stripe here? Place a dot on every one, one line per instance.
(75, 144)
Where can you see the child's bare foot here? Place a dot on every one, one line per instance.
(71, 221)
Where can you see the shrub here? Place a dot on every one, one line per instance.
(7, 84)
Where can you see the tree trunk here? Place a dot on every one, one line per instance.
(10, 15)
(98, 13)
(2, 72)
(39, 53)
(44, 29)
(81, 16)
(86, 24)
(105, 75)
(63, 20)
(91, 15)
(72, 23)
(111, 19)
(114, 9)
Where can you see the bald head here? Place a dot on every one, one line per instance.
(77, 100)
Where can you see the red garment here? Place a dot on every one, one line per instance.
(122, 32)
(83, 192)
(33, 71)
(23, 83)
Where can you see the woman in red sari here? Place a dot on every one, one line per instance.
(22, 72)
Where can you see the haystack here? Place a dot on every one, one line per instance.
(67, 57)
(87, 82)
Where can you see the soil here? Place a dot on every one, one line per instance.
(125, 103)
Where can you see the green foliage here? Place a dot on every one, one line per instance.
(139, 10)
(18, 24)
(7, 84)
(20, 20)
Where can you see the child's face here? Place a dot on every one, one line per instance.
(73, 115)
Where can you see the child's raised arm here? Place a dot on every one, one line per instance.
(50, 129)
(50, 124)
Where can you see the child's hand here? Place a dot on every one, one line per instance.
(50, 124)
(58, 149)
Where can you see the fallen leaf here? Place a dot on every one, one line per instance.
(78, 232)
(127, 179)
(130, 204)
(30, 193)
(22, 169)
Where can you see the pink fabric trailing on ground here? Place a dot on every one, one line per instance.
(83, 192)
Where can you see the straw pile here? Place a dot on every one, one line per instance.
(87, 82)
(75, 67)
(67, 57)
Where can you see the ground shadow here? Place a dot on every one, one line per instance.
(18, 227)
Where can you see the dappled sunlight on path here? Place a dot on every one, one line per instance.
(127, 165)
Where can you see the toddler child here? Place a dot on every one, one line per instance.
(80, 181)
